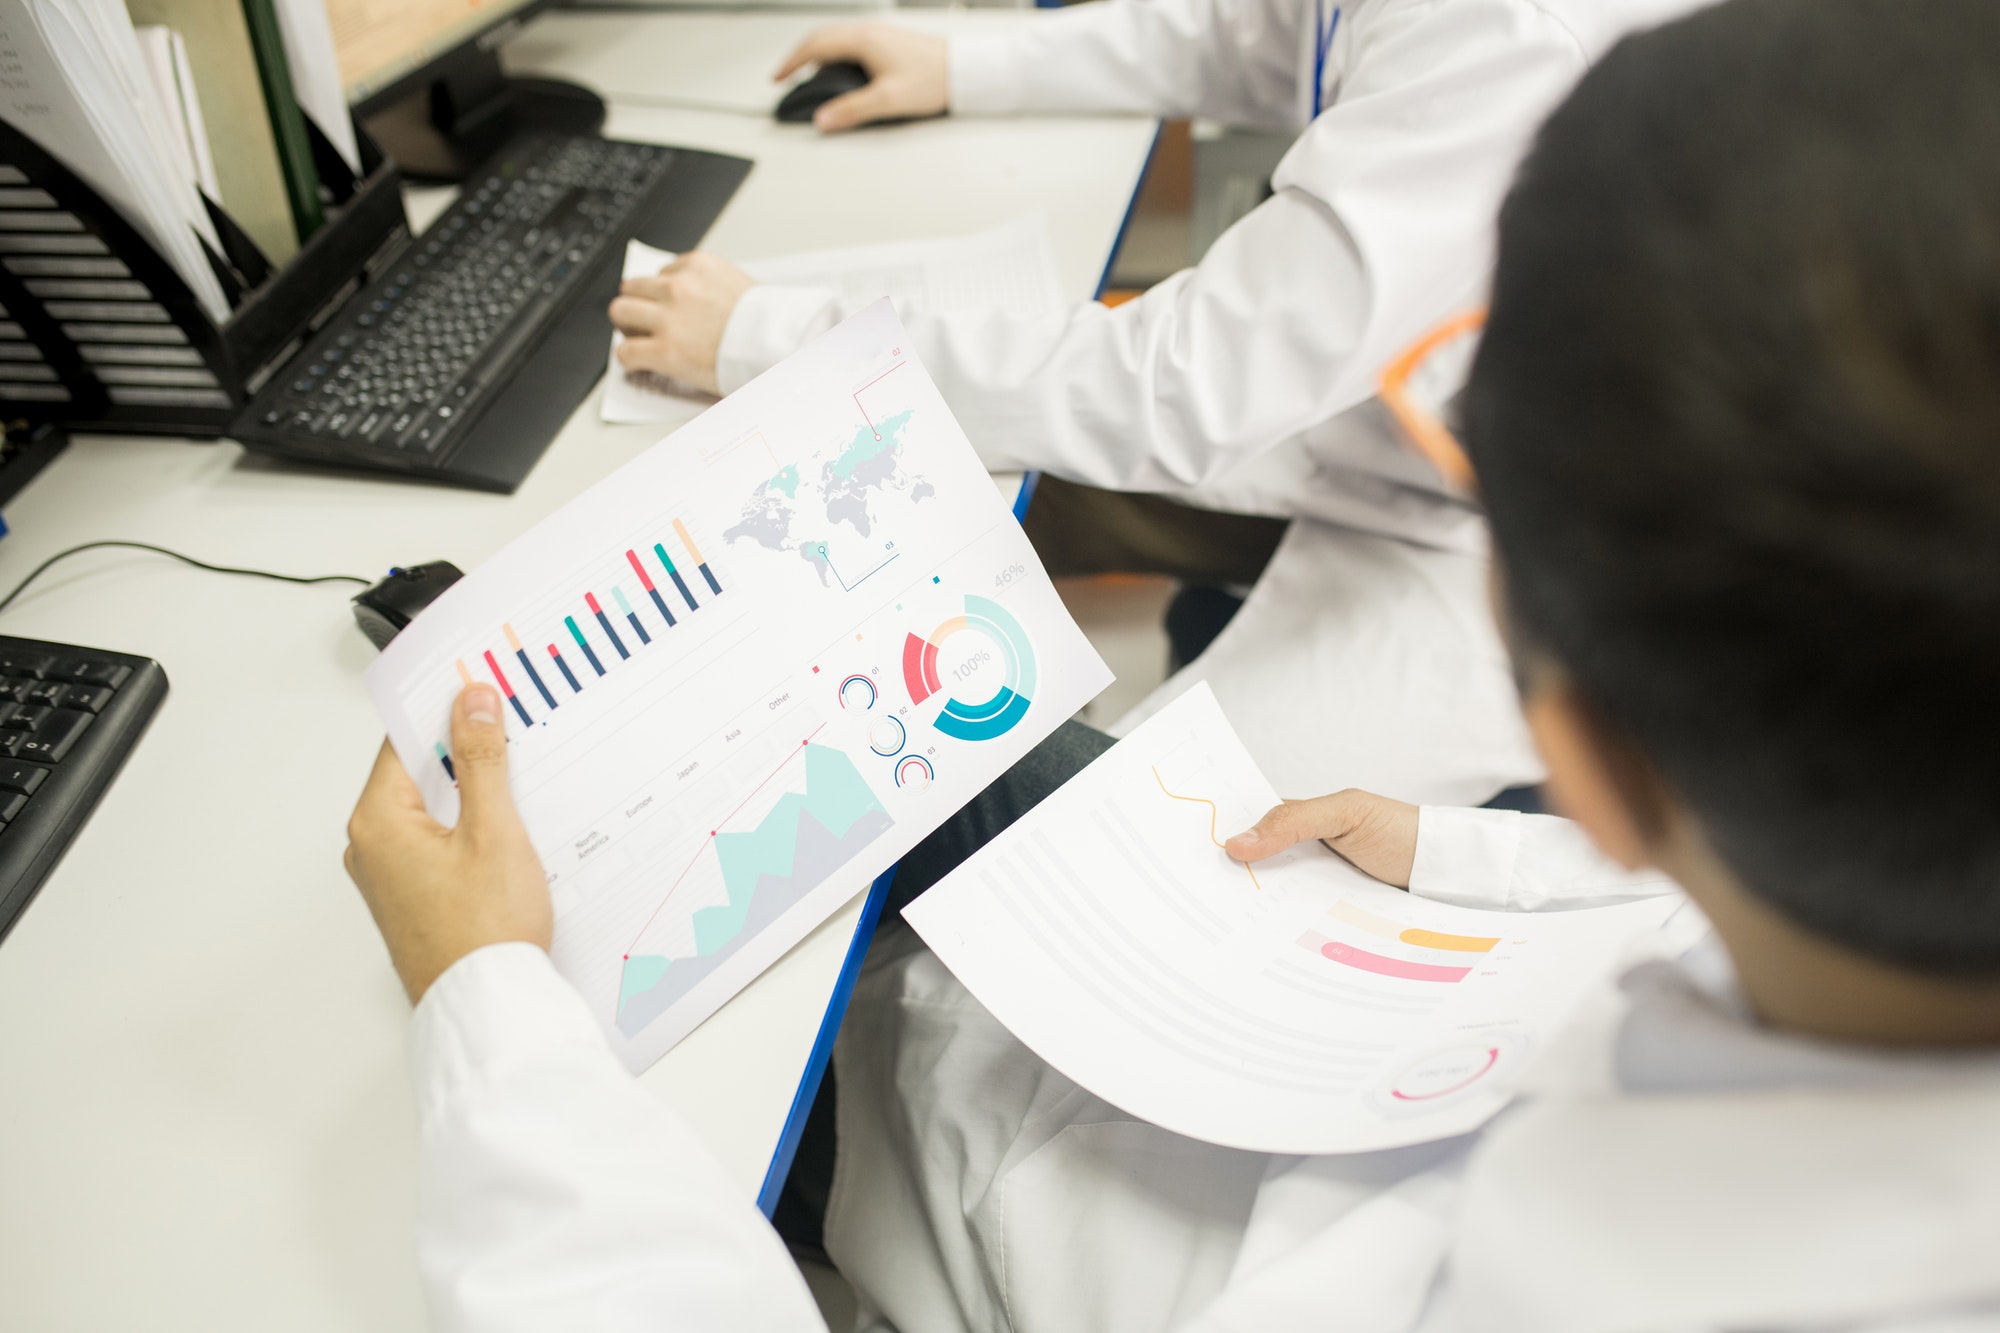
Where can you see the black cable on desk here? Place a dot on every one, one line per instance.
(43, 568)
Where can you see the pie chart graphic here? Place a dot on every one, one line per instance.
(989, 718)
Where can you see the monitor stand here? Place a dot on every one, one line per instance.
(444, 132)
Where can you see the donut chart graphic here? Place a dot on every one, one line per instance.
(857, 692)
(996, 716)
(886, 737)
(915, 772)
(1476, 1064)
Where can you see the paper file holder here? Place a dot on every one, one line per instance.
(99, 332)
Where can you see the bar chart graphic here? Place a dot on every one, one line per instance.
(793, 849)
(602, 628)
(1413, 953)
(993, 717)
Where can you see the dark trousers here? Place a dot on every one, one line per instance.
(1080, 530)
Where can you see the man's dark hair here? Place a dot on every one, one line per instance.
(1736, 419)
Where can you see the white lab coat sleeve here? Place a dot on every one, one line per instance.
(555, 1192)
(770, 322)
(1380, 226)
(1233, 60)
(1505, 860)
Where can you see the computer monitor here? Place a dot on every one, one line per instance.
(424, 76)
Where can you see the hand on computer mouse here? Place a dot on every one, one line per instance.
(673, 321)
(907, 72)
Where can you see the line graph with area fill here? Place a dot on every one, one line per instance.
(803, 840)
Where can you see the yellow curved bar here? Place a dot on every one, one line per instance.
(1437, 939)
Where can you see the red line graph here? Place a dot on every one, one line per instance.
(689, 867)
(865, 388)
(1213, 815)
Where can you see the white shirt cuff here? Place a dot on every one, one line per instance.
(492, 1006)
(770, 322)
(1520, 863)
(1465, 856)
(984, 75)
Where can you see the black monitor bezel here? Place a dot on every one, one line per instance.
(487, 39)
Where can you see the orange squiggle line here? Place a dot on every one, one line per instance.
(1213, 815)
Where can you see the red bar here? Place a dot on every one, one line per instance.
(499, 675)
(590, 598)
(640, 570)
(1335, 951)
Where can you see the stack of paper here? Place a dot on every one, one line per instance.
(198, 108)
(249, 168)
(1010, 268)
(77, 85)
(180, 102)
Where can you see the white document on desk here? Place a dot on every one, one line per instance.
(1296, 1006)
(1010, 268)
(747, 672)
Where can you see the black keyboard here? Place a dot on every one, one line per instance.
(68, 718)
(408, 374)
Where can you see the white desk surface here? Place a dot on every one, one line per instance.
(205, 1117)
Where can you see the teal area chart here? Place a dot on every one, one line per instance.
(792, 851)
(993, 717)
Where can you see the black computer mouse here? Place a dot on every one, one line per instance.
(828, 82)
(384, 609)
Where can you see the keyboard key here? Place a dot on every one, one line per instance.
(57, 736)
(88, 698)
(49, 694)
(10, 743)
(25, 717)
(23, 778)
(11, 804)
(13, 689)
(108, 674)
(35, 666)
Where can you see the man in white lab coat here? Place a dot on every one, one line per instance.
(1245, 383)
(1735, 421)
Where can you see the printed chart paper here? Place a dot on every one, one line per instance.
(1293, 1006)
(747, 672)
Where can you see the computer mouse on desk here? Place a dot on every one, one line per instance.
(828, 82)
(384, 609)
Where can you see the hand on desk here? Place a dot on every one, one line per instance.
(673, 321)
(439, 893)
(1375, 833)
(907, 73)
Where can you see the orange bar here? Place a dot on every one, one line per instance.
(463, 674)
(513, 640)
(1395, 930)
(680, 530)
(1437, 939)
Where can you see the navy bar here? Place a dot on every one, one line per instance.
(661, 603)
(681, 583)
(563, 667)
(644, 637)
(709, 574)
(611, 634)
(535, 676)
(526, 721)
